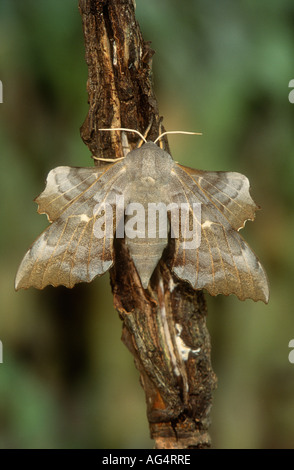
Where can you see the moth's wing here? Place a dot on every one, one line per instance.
(228, 192)
(69, 250)
(223, 263)
(64, 184)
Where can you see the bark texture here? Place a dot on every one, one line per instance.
(164, 327)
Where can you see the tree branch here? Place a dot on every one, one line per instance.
(164, 327)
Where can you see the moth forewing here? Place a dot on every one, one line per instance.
(68, 252)
(227, 191)
(63, 185)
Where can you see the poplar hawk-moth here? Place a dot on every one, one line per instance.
(68, 251)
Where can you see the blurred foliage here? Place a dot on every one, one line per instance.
(222, 68)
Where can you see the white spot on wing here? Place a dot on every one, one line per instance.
(207, 224)
(84, 218)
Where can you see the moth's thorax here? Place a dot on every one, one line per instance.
(150, 163)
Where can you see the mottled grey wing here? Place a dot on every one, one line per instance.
(223, 263)
(68, 251)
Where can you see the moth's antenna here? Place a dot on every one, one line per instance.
(176, 132)
(125, 129)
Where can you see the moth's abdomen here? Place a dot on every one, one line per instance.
(146, 253)
(146, 227)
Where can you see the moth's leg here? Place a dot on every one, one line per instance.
(125, 148)
(145, 133)
(161, 130)
(125, 144)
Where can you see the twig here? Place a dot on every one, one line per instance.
(164, 328)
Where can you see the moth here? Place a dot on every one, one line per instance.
(77, 200)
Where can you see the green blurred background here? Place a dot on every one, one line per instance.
(223, 68)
